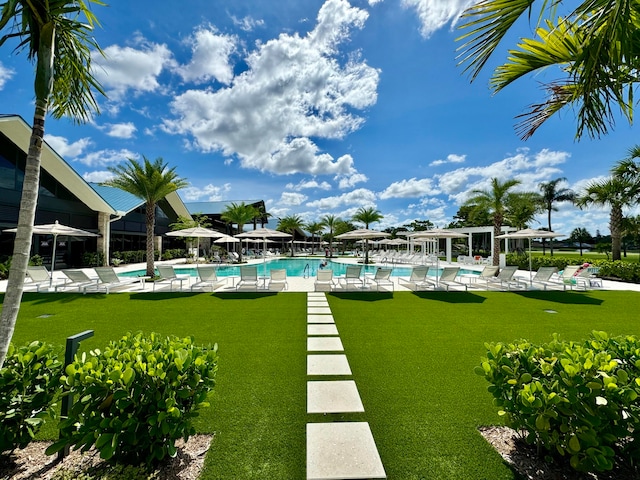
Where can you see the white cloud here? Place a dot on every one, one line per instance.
(65, 149)
(308, 184)
(246, 23)
(412, 188)
(451, 158)
(121, 130)
(210, 192)
(106, 157)
(210, 57)
(349, 181)
(294, 89)
(5, 74)
(375, 2)
(360, 197)
(98, 176)
(434, 14)
(292, 198)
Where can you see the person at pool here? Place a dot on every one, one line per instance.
(323, 264)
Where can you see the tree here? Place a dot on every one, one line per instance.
(468, 216)
(494, 202)
(330, 222)
(593, 47)
(367, 216)
(57, 37)
(580, 236)
(151, 182)
(551, 194)
(522, 207)
(615, 192)
(631, 228)
(290, 224)
(314, 228)
(240, 214)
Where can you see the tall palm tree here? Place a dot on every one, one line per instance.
(290, 224)
(551, 194)
(240, 214)
(314, 228)
(330, 222)
(57, 37)
(151, 182)
(580, 236)
(367, 216)
(617, 193)
(593, 47)
(494, 201)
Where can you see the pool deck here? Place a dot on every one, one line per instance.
(295, 284)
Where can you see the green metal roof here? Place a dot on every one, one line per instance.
(119, 200)
(214, 208)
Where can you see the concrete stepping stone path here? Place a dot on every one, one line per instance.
(335, 450)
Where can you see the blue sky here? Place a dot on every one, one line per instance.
(317, 107)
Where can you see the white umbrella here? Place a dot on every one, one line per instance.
(437, 233)
(264, 234)
(226, 239)
(196, 232)
(531, 233)
(56, 229)
(364, 234)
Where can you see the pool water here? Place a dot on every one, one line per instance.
(295, 267)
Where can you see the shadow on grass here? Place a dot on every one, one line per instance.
(363, 296)
(243, 295)
(161, 295)
(451, 297)
(570, 298)
(45, 298)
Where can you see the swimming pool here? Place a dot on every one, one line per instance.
(295, 267)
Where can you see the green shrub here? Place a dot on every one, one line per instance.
(574, 399)
(28, 388)
(36, 260)
(5, 265)
(92, 259)
(135, 399)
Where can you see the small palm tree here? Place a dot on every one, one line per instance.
(367, 216)
(580, 236)
(151, 181)
(240, 214)
(330, 222)
(495, 202)
(314, 228)
(57, 37)
(290, 224)
(551, 194)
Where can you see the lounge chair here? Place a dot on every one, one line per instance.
(248, 277)
(381, 278)
(168, 275)
(324, 278)
(588, 277)
(39, 276)
(487, 272)
(448, 279)
(544, 278)
(504, 280)
(278, 279)
(417, 279)
(568, 276)
(352, 276)
(207, 275)
(77, 279)
(108, 279)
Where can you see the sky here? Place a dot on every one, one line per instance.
(316, 107)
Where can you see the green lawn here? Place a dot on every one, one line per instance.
(412, 357)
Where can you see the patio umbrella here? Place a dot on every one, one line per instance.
(437, 233)
(363, 234)
(196, 232)
(56, 229)
(264, 234)
(531, 233)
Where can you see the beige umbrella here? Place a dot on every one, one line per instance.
(363, 234)
(196, 232)
(437, 233)
(264, 234)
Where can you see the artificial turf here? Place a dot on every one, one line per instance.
(412, 357)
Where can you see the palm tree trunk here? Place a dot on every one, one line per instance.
(497, 226)
(551, 239)
(615, 225)
(240, 227)
(151, 221)
(24, 235)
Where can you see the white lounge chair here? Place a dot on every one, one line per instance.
(324, 278)
(588, 277)
(39, 276)
(278, 279)
(544, 279)
(168, 275)
(448, 279)
(382, 277)
(352, 276)
(78, 279)
(109, 280)
(248, 277)
(417, 280)
(208, 275)
(505, 280)
(485, 275)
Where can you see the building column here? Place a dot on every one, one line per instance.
(104, 228)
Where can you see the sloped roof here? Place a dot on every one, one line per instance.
(121, 201)
(214, 208)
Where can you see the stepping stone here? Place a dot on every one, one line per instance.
(324, 344)
(323, 303)
(316, 295)
(324, 329)
(328, 365)
(319, 310)
(338, 396)
(320, 319)
(342, 450)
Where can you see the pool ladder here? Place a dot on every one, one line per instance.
(306, 273)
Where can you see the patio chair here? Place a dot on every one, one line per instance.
(568, 276)
(588, 277)
(448, 279)
(544, 278)
(208, 275)
(382, 277)
(248, 277)
(324, 278)
(417, 279)
(504, 280)
(352, 276)
(278, 279)
(487, 272)
(77, 279)
(39, 276)
(108, 279)
(168, 275)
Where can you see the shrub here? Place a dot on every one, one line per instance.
(137, 397)
(28, 389)
(5, 265)
(575, 400)
(92, 259)
(36, 260)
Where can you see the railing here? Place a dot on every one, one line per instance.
(307, 271)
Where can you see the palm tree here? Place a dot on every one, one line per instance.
(550, 195)
(495, 202)
(631, 228)
(592, 47)
(367, 216)
(314, 228)
(57, 37)
(617, 193)
(330, 222)
(580, 236)
(290, 224)
(151, 182)
(522, 207)
(240, 214)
